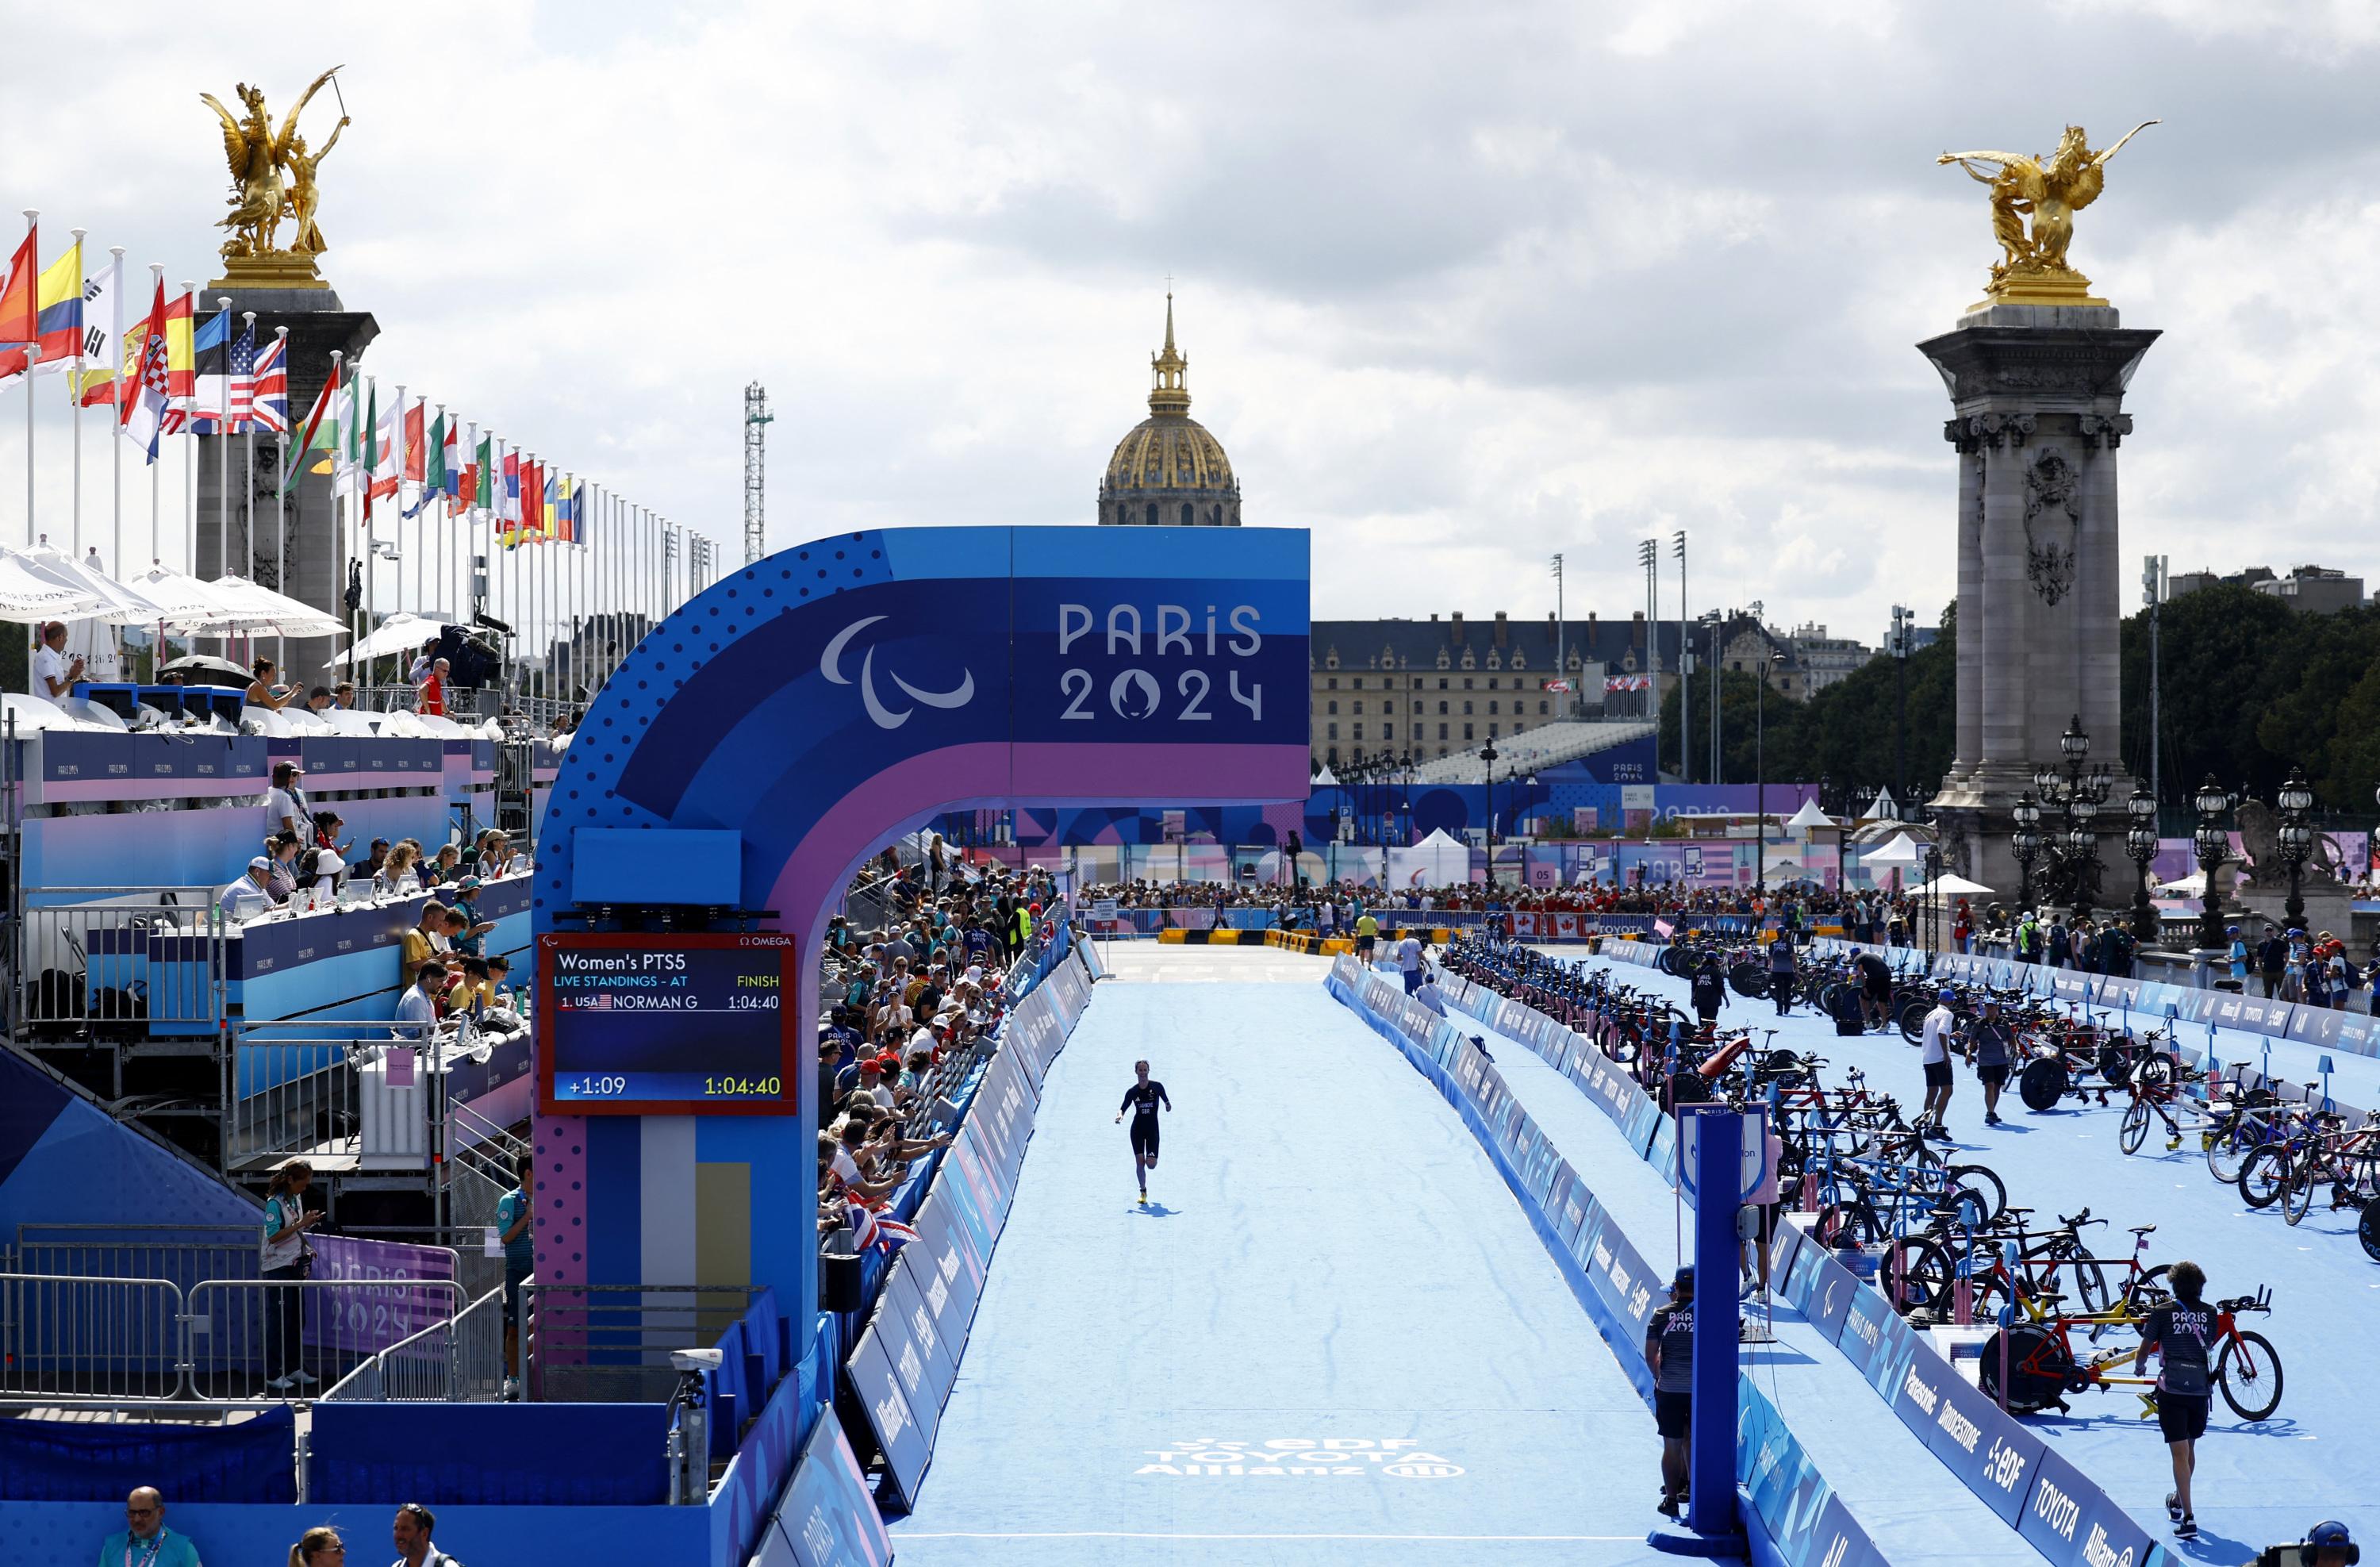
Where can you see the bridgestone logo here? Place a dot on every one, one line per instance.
(1958, 1427)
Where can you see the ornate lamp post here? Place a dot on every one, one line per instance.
(2212, 844)
(1488, 757)
(1404, 794)
(2141, 842)
(2295, 801)
(2076, 795)
(2025, 844)
(1933, 899)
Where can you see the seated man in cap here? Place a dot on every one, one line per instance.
(248, 894)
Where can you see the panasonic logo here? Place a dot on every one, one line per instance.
(1918, 1393)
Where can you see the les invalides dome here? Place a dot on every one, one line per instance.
(1168, 470)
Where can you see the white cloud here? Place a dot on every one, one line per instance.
(1460, 284)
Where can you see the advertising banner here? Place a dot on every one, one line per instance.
(828, 1519)
(907, 1447)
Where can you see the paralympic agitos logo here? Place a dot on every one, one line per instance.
(883, 717)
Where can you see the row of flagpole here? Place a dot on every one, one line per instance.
(621, 570)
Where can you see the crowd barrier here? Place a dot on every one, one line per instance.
(248, 1461)
(1801, 1522)
(2060, 1511)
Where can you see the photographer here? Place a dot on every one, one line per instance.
(2328, 1544)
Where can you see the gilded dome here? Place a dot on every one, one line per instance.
(1168, 469)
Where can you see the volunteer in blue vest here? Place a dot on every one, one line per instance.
(1670, 1350)
(2183, 1337)
(145, 1541)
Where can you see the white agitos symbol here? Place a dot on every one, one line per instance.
(831, 665)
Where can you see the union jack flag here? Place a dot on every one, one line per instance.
(269, 399)
(872, 1229)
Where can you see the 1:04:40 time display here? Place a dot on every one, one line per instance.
(742, 1087)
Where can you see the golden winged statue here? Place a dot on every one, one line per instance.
(2033, 268)
(273, 177)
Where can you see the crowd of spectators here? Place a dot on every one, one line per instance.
(905, 1002)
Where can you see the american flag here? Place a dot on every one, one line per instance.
(241, 411)
(269, 401)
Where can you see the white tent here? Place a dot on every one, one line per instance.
(2191, 886)
(1808, 817)
(1323, 779)
(400, 633)
(1901, 850)
(31, 593)
(1884, 807)
(1948, 886)
(276, 614)
(1437, 862)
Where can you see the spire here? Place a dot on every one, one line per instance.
(1172, 392)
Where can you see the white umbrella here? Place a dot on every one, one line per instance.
(403, 632)
(275, 612)
(1948, 886)
(31, 593)
(118, 604)
(190, 606)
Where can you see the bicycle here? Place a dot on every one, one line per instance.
(2043, 1369)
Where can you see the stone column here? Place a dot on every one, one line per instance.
(317, 555)
(2037, 395)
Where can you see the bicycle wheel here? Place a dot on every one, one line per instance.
(2367, 1229)
(2039, 1366)
(2158, 1069)
(1910, 1018)
(1921, 1269)
(2297, 1194)
(2249, 1372)
(2136, 1126)
(1989, 1192)
(2142, 1293)
(2227, 1149)
(2263, 1176)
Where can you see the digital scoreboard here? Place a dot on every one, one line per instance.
(632, 1024)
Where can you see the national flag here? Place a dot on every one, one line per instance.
(20, 312)
(102, 337)
(483, 473)
(321, 434)
(508, 495)
(388, 437)
(565, 512)
(413, 441)
(269, 398)
(430, 458)
(549, 527)
(181, 355)
(1562, 685)
(450, 450)
(870, 1228)
(144, 403)
(210, 381)
(239, 397)
(57, 317)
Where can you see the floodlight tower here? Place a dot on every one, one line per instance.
(756, 465)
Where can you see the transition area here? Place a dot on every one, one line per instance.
(1333, 1339)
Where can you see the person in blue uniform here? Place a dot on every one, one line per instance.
(1142, 1100)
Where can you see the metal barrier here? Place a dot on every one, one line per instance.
(72, 1337)
(256, 1338)
(606, 1344)
(447, 1361)
(286, 1097)
(130, 963)
(182, 1255)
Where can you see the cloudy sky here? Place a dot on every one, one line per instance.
(1460, 284)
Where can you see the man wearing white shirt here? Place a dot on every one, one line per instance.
(1941, 1028)
(247, 897)
(53, 673)
(1409, 962)
(416, 1010)
(285, 805)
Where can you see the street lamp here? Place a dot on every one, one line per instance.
(1404, 794)
(2212, 844)
(2025, 844)
(1933, 898)
(1488, 757)
(1903, 620)
(2141, 842)
(2295, 801)
(2076, 795)
(1760, 771)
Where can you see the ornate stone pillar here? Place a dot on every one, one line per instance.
(2037, 395)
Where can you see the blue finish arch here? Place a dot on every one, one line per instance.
(820, 701)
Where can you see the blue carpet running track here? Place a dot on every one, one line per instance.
(1334, 1340)
(2319, 1457)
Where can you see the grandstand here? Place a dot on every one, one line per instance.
(1543, 747)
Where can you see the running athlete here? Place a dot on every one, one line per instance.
(2181, 1335)
(1142, 1099)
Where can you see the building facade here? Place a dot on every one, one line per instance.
(1169, 470)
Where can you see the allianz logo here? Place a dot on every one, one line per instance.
(2097, 1552)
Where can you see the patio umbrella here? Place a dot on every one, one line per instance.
(215, 671)
(118, 603)
(400, 633)
(190, 607)
(31, 594)
(275, 612)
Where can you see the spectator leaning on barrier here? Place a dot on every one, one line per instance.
(145, 1541)
(411, 1533)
